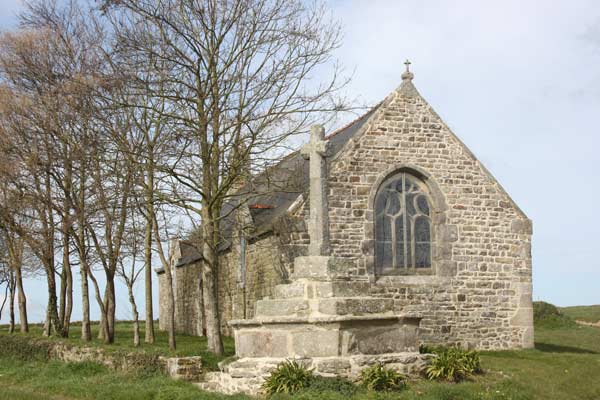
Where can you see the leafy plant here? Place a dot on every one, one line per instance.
(337, 384)
(453, 364)
(381, 379)
(289, 377)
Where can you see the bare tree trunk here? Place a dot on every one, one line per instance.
(148, 281)
(171, 313)
(47, 324)
(22, 300)
(134, 310)
(211, 307)
(11, 304)
(103, 324)
(86, 329)
(110, 310)
(55, 321)
(101, 304)
(66, 286)
(200, 310)
(169, 276)
(69, 307)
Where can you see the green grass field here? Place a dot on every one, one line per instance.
(564, 365)
(583, 313)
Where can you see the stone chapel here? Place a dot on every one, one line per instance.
(402, 223)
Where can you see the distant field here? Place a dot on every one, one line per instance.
(583, 313)
(565, 365)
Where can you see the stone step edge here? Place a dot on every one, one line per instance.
(278, 320)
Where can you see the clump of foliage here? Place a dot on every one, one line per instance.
(324, 388)
(380, 379)
(24, 348)
(430, 349)
(333, 384)
(289, 377)
(453, 364)
(548, 315)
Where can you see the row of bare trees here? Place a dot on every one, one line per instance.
(117, 115)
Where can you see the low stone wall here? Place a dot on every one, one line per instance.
(186, 368)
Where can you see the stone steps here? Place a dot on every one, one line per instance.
(341, 306)
(310, 289)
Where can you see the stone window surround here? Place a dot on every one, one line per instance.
(442, 234)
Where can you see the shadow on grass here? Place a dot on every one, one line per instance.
(553, 348)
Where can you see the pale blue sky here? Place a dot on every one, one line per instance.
(519, 83)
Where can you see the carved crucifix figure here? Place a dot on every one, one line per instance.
(318, 225)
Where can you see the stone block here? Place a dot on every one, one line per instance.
(355, 306)
(321, 267)
(261, 343)
(380, 338)
(315, 343)
(335, 366)
(282, 307)
(289, 291)
(341, 289)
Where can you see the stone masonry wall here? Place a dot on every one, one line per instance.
(479, 294)
(268, 263)
(162, 301)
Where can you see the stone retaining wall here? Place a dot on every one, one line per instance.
(186, 368)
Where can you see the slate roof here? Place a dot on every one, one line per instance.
(270, 194)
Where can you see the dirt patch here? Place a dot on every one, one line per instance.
(586, 323)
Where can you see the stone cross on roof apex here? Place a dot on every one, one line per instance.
(407, 75)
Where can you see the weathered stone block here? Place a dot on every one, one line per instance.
(355, 306)
(261, 343)
(321, 267)
(282, 307)
(315, 343)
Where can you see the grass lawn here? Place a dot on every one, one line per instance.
(564, 365)
(583, 313)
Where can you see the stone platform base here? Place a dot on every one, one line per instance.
(247, 375)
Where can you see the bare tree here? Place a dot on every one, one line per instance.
(130, 268)
(13, 248)
(239, 82)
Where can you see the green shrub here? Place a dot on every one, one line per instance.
(289, 377)
(548, 315)
(342, 386)
(380, 379)
(25, 348)
(430, 349)
(453, 364)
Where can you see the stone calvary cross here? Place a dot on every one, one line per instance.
(318, 226)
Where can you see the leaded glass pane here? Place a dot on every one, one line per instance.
(392, 205)
(402, 226)
(410, 204)
(422, 204)
(422, 233)
(423, 255)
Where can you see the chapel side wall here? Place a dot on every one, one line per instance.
(480, 295)
(266, 263)
(162, 301)
(187, 292)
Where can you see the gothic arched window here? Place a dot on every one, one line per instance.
(402, 225)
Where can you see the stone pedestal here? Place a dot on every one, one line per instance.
(327, 321)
